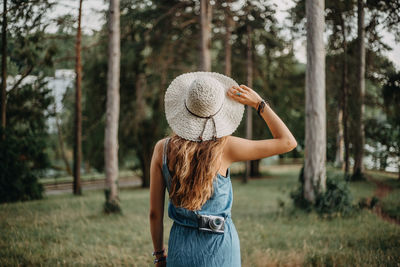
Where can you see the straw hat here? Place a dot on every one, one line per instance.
(198, 109)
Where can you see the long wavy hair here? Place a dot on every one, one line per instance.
(195, 165)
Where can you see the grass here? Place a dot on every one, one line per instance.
(391, 204)
(84, 177)
(68, 230)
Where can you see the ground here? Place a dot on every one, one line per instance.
(69, 230)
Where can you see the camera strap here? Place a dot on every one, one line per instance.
(198, 215)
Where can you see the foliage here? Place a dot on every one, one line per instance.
(384, 139)
(336, 200)
(18, 181)
(28, 50)
(23, 155)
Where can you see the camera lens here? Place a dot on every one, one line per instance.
(215, 223)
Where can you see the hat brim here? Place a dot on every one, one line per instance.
(189, 127)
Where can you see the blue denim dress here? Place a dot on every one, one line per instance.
(187, 246)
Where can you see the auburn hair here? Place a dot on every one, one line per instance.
(195, 165)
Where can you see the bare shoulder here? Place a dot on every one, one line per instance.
(158, 150)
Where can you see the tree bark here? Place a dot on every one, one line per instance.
(339, 159)
(345, 101)
(4, 67)
(205, 22)
(359, 113)
(113, 102)
(228, 35)
(315, 135)
(61, 142)
(78, 109)
(249, 118)
(140, 85)
(146, 160)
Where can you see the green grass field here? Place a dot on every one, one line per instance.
(68, 230)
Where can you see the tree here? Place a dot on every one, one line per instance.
(23, 154)
(315, 155)
(112, 112)
(249, 110)
(359, 140)
(338, 14)
(228, 34)
(4, 66)
(391, 96)
(205, 22)
(78, 109)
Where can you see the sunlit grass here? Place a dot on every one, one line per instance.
(68, 230)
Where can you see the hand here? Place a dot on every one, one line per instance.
(162, 263)
(247, 95)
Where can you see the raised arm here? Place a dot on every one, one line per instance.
(157, 197)
(240, 149)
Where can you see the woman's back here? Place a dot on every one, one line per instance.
(188, 245)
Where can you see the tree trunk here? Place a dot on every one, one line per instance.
(87, 166)
(78, 109)
(4, 67)
(345, 97)
(228, 45)
(315, 136)
(146, 160)
(205, 22)
(140, 84)
(112, 112)
(339, 139)
(249, 118)
(359, 111)
(61, 142)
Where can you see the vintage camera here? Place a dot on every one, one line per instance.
(210, 223)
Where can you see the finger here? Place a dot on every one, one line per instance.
(235, 96)
(237, 88)
(245, 87)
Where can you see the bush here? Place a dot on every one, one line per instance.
(17, 179)
(335, 201)
(22, 150)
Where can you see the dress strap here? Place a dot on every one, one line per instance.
(165, 153)
(166, 174)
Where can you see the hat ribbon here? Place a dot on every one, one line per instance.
(205, 123)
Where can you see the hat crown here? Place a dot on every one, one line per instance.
(205, 96)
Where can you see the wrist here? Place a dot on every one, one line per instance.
(255, 104)
(161, 256)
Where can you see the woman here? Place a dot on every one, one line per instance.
(203, 109)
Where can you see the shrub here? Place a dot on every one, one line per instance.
(17, 179)
(335, 201)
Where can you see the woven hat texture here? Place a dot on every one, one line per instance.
(197, 107)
